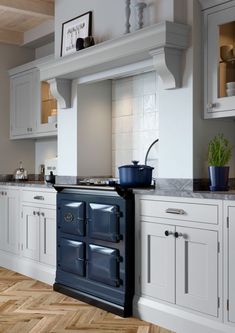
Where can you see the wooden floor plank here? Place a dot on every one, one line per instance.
(30, 306)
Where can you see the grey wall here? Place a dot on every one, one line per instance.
(109, 15)
(11, 152)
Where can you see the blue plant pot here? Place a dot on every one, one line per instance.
(219, 178)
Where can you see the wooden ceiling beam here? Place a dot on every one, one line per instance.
(11, 37)
(35, 8)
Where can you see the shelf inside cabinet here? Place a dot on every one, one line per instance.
(49, 104)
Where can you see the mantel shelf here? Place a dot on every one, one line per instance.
(158, 47)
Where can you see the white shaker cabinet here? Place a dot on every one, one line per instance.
(39, 226)
(24, 100)
(219, 61)
(179, 265)
(33, 109)
(9, 220)
(39, 234)
(179, 246)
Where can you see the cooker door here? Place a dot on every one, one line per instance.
(103, 222)
(73, 218)
(103, 265)
(71, 256)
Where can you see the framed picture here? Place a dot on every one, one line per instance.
(79, 27)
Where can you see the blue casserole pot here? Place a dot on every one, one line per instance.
(135, 175)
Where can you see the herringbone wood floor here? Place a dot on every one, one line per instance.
(27, 305)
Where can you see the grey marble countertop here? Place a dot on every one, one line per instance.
(228, 195)
(27, 183)
(173, 189)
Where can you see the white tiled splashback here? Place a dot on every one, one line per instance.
(135, 120)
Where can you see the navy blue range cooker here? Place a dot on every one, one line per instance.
(95, 246)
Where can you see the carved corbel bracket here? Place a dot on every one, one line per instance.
(61, 90)
(168, 64)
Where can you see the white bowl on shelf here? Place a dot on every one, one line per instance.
(226, 52)
(230, 85)
(52, 119)
(230, 92)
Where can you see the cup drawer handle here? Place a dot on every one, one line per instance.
(38, 197)
(175, 211)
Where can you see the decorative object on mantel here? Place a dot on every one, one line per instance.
(83, 43)
(79, 44)
(140, 6)
(88, 41)
(219, 154)
(79, 27)
(128, 15)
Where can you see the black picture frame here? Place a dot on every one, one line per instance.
(78, 27)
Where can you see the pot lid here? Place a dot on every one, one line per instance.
(136, 165)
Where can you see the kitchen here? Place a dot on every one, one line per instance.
(122, 98)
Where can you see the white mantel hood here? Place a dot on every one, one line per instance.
(158, 47)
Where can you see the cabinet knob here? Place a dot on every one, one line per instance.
(56, 125)
(211, 105)
(178, 234)
(38, 213)
(168, 233)
(34, 213)
(42, 214)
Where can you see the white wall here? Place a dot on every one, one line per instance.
(44, 149)
(109, 16)
(183, 133)
(44, 50)
(11, 152)
(135, 120)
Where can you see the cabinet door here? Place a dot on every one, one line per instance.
(9, 220)
(24, 103)
(219, 62)
(158, 261)
(48, 236)
(31, 216)
(3, 218)
(12, 221)
(197, 270)
(231, 266)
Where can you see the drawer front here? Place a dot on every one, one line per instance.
(47, 198)
(103, 222)
(202, 213)
(71, 256)
(73, 218)
(103, 265)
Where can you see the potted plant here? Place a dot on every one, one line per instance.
(219, 154)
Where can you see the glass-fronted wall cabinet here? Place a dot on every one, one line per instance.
(47, 121)
(219, 61)
(33, 108)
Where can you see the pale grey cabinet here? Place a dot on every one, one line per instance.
(219, 61)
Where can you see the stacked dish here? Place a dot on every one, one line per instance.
(230, 88)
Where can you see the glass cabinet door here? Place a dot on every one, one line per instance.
(48, 116)
(219, 62)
